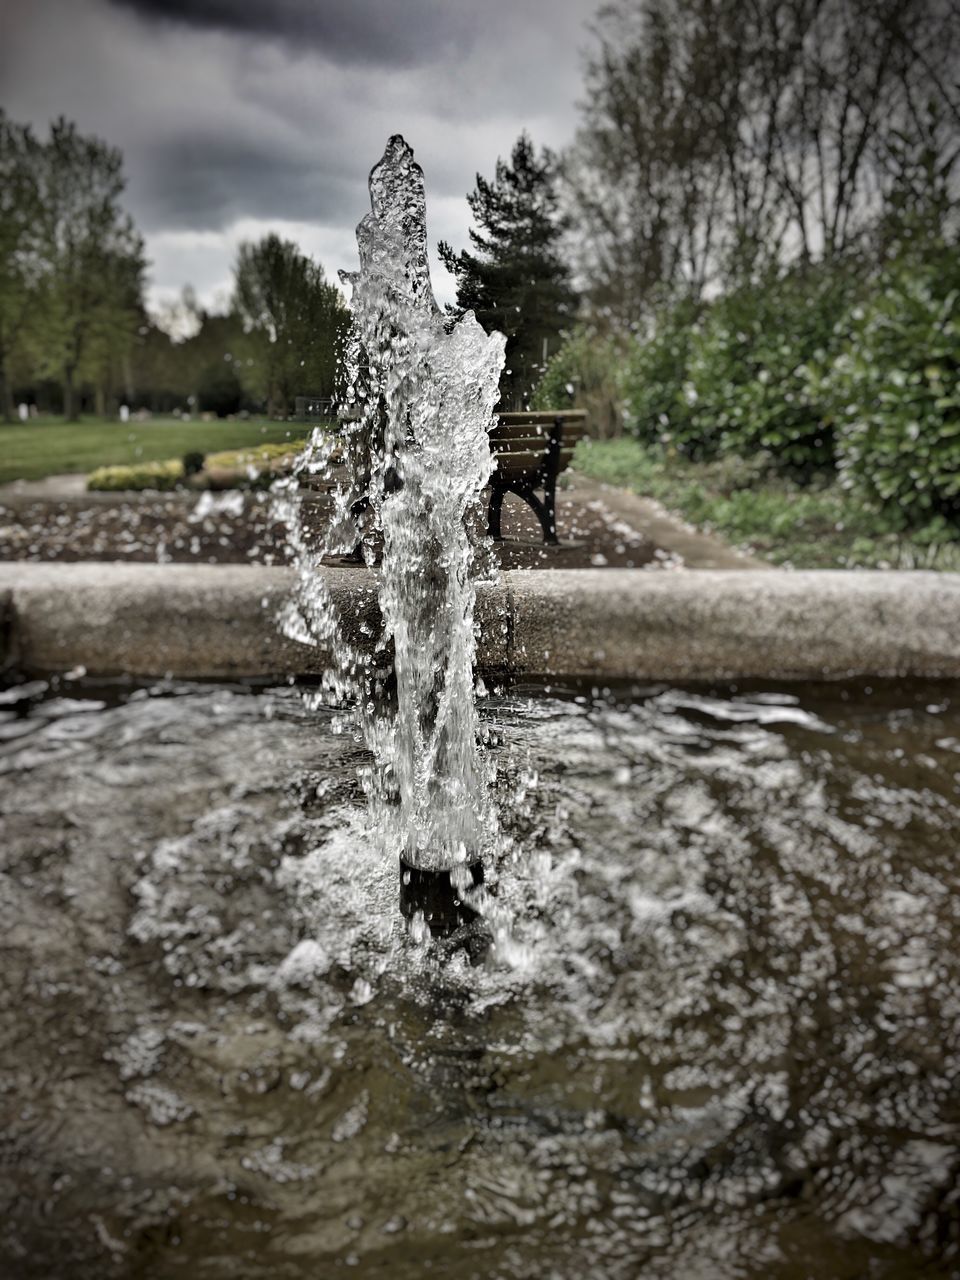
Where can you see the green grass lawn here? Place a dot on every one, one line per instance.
(49, 446)
(815, 526)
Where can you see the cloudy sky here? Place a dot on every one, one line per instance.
(240, 116)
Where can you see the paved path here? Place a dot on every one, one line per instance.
(49, 489)
(698, 550)
(70, 489)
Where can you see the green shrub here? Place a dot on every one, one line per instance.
(263, 456)
(749, 383)
(265, 460)
(254, 468)
(655, 378)
(586, 371)
(139, 475)
(734, 376)
(583, 357)
(895, 392)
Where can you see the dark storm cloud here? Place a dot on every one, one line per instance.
(395, 33)
(235, 118)
(205, 182)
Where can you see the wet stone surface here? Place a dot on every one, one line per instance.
(708, 1027)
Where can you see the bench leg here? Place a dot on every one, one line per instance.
(548, 518)
(543, 511)
(550, 471)
(493, 513)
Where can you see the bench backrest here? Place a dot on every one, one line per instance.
(520, 442)
(313, 408)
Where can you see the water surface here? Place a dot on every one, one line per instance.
(710, 1027)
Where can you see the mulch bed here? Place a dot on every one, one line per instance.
(238, 528)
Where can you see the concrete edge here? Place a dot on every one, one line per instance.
(219, 621)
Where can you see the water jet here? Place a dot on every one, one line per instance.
(418, 404)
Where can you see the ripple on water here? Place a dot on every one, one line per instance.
(714, 1029)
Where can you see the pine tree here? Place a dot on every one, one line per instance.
(516, 280)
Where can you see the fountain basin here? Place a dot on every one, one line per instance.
(721, 1038)
(220, 621)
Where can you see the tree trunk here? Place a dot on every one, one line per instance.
(6, 393)
(100, 402)
(70, 413)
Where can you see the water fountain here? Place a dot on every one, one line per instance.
(721, 1040)
(419, 397)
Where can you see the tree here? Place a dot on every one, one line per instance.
(218, 389)
(91, 288)
(20, 263)
(643, 177)
(156, 369)
(517, 281)
(293, 321)
(113, 329)
(187, 357)
(722, 138)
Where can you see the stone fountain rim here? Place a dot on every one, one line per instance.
(218, 621)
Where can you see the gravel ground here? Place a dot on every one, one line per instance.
(238, 528)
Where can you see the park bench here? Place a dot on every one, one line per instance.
(314, 408)
(530, 451)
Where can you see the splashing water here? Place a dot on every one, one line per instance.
(413, 459)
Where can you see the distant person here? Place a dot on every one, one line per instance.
(23, 412)
(124, 413)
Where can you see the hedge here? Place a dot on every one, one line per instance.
(895, 391)
(140, 475)
(256, 466)
(829, 369)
